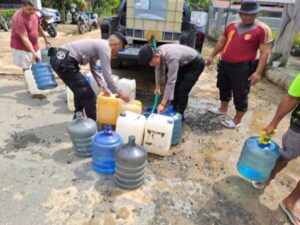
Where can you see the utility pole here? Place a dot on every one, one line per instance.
(288, 28)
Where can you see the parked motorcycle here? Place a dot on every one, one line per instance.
(3, 24)
(48, 24)
(83, 24)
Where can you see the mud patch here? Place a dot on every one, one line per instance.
(203, 122)
(21, 140)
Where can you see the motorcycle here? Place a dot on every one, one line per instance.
(83, 24)
(3, 24)
(48, 24)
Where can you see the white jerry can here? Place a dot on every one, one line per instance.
(128, 87)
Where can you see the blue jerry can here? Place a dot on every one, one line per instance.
(258, 158)
(177, 130)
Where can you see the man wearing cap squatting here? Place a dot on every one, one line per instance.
(238, 69)
(180, 65)
(66, 59)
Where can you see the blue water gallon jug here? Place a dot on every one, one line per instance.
(43, 76)
(177, 130)
(258, 158)
(104, 146)
(82, 131)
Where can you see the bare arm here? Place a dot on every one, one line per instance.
(287, 104)
(218, 48)
(42, 33)
(265, 50)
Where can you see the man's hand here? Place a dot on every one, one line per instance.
(157, 90)
(254, 78)
(160, 108)
(124, 97)
(47, 43)
(270, 129)
(105, 92)
(35, 58)
(209, 62)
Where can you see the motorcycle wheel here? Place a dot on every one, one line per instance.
(89, 27)
(81, 28)
(51, 30)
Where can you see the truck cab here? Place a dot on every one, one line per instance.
(168, 21)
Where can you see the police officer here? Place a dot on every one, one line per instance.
(66, 59)
(179, 65)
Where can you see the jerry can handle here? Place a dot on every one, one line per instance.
(265, 138)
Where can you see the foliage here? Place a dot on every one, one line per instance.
(199, 4)
(296, 39)
(7, 14)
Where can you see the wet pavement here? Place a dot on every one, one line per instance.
(43, 182)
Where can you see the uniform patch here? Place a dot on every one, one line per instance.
(60, 55)
(247, 37)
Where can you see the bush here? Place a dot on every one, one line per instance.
(7, 16)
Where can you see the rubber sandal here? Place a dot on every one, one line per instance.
(257, 185)
(230, 124)
(217, 111)
(292, 217)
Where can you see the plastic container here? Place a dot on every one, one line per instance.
(91, 80)
(45, 57)
(82, 131)
(131, 160)
(163, 16)
(258, 158)
(177, 130)
(158, 134)
(131, 124)
(104, 145)
(108, 109)
(132, 106)
(128, 87)
(70, 95)
(32, 86)
(43, 76)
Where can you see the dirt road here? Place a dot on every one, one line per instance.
(43, 182)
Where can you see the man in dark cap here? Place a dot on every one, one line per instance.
(179, 65)
(238, 68)
(66, 59)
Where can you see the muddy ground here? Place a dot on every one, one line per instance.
(43, 182)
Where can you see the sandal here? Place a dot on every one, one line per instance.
(230, 124)
(217, 111)
(294, 219)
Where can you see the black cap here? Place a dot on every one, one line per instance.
(146, 54)
(249, 7)
(121, 37)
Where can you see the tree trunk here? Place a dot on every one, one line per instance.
(287, 30)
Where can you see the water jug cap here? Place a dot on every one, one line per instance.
(265, 139)
(123, 114)
(170, 121)
(107, 129)
(79, 115)
(131, 140)
(170, 109)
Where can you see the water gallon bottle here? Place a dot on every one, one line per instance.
(131, 160)
(177, 130)
(108, 109)
(44, 54)
(131, 124)
(258, 158)
(82, 131)
(92, 82)
(128, 87)
(32, 86)
(104, 145)
(158, 134)
(43, 76)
